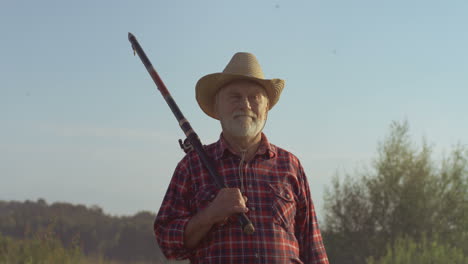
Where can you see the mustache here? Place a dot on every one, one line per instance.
(244, 113)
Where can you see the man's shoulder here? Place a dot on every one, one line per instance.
(283, 153)
(280, 150)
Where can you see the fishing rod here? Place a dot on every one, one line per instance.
(192, 137)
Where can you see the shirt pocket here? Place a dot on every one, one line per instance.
(283, 206)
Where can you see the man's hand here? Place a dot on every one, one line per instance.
(227, 202)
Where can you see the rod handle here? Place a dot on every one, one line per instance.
(246, 224)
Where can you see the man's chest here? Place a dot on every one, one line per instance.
(271, 189)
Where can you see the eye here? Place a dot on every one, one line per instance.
(234, 97)
(255, 97)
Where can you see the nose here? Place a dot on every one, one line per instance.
(245, 103)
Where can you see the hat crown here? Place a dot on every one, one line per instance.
(244, 63)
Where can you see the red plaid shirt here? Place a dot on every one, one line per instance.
(279, 202)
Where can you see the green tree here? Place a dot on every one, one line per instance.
(405, 193)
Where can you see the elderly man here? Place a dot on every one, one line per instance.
(197, 221)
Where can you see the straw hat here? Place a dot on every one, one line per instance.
(243, 66)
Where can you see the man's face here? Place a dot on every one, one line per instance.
(242, 108)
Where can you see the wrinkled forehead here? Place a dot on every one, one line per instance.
(242, 86)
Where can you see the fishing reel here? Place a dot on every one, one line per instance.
(185, 145)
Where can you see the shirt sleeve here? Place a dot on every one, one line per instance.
(174, 214)
(312, 249)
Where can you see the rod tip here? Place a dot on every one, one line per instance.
(130, 35)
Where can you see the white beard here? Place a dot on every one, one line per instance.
(243, 124)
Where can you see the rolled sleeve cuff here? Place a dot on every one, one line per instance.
(171, 239)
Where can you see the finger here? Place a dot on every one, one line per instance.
(236, 190)
(239, 209)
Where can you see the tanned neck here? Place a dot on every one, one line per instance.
(249, 145)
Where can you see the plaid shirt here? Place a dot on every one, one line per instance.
(279, 202)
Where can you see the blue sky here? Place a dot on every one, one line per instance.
(82, 122)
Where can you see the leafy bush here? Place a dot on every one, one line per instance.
(405, 250)
(44, 249)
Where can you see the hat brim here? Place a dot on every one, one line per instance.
(208, 86)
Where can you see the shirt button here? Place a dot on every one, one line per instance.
(250, 186)
(252, 208)
(287, 195)
(212, 196)
(257, 255)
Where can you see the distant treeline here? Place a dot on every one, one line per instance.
(125, 239)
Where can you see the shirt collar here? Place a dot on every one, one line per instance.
(222, 149)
